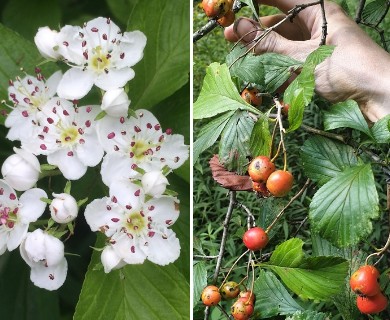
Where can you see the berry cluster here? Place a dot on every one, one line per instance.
(365, 283)
(267, 180)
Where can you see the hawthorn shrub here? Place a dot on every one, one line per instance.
(334, 219)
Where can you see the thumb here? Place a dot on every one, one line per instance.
(248, 32)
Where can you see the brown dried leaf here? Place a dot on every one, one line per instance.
(227, 179)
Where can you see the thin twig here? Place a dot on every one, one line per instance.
(280, 214)
(199, 256)
(380, 251)
(324, 24)
(223, 311)
(281, 130)
(226, 222)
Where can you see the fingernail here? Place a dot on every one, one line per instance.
(245, 29)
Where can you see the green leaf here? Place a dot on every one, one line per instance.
(247, 67)
(381, 130)
(121, 9)
(324, 159)
(342, 209)
(374, 11)
(261, 139)
(278, 69)
(218, 94)
(15, 13)
(254, 7)
(317, 278)
(210, 133)
(200, 280)
(308, 315)
(165, 66)
(145, 291)
(300, 92)
(272, 298)
(288, 254)
(15, 53)
(346, 114)
(234, 143)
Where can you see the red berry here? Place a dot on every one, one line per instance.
(261, 189)
(227, 19)
(260, 168)
(216, 8)
(211, 296)
(251, 96)
(364, 281)
(255, 238)
(247, 296)
(374, 304)
(279, 183)
(242, 310)
(230, 290)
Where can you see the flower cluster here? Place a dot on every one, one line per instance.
(135, 154)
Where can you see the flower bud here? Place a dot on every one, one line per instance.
(63, 208)
(115, 102)
(21, 170)
(46, 42)
(111, 260)
(154, 183)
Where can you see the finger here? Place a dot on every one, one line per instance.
(291, 30)
(249, 33)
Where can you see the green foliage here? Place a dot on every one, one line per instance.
(308, 315)
(317, 278)
(272, 297)
(261, 140)
(342, 209)
(200, 280)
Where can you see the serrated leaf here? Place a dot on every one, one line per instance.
(210, 133)
(308, 315)
(166, 63)
(374, 11)
(219, 94)
(247, 68)
(272, 298)
(342, 209)
(324, 158)
(200, 280)
(234, 143)
(261, 139)
(288, 254)
(278, 69)
(317, 278)
(346, 114)
(381, 130)
(300, 92)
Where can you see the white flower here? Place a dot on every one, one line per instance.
(21, 170)
(45, 256)
(116, 103)
(137, 227)
(138, 142)
(154, 183)
(29, 95)
(63, 208)
(68, 138)
(46, 41)
(98, 53)
(16, 215)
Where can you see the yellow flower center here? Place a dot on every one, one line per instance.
(136, 223)
(99, 61)
(69, 136)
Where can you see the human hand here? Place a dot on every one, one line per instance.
(358, 69)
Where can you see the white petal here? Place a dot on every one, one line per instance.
(101, 214)
(109, 133)
(102, 26)
(174, 151)
(70, 166)
(162, 250)
(115, 102)
(3, 239)
(52, 83)
(90, 153)
(54, 250)
(69, 42)
(132, 44)
(111, 260)
(31, 206)
(75, 84)
(33, 247)
(127, 193)
(46, 41)
(16, 235)
(128, 249)
(8, 196)
(49, 278)
(114, 78)
(165, 210)
(116, 167)
(148, 126)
